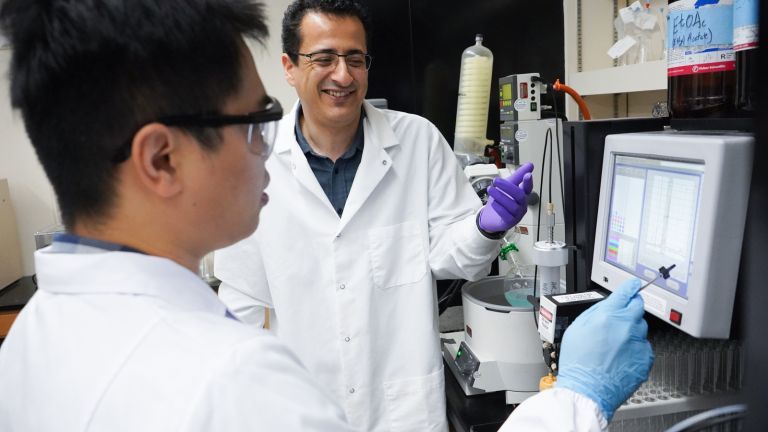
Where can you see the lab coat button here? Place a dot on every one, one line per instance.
(342, 286)
(351, 391)
(383, 162)
(346, 339)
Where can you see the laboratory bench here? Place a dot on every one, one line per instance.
(12, 300)
(478, 413)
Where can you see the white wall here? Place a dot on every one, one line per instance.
(268, 59)
(31, 194)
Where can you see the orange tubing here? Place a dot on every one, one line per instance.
(579, 101)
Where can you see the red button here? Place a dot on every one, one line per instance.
(675, 316)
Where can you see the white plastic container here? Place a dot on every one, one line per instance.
(503, 338)
(474, 96)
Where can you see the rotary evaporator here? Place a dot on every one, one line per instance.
(499, 348)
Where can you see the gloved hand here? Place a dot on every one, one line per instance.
(605, 354)
(507, 202)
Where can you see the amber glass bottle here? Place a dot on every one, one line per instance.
(745, 37)
(701, 67)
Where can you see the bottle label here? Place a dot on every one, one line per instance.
(745, 19)
(700, 39)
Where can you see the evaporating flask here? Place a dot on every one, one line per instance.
(474, 96)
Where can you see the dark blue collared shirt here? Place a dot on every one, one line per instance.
(335, 178)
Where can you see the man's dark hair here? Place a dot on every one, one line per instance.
(87, 74)
(299, 8)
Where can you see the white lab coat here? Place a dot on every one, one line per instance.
(556, 410)
(355, 295)
(120, 341)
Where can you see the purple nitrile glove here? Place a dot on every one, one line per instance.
(507, 200)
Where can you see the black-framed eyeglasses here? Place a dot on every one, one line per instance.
(330, 59)
(260, 123)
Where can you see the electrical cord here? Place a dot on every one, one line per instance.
(547, 142)
(549, 351)
(557, 140)
(548, 136)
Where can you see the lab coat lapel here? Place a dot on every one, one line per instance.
(289, 152)
(374, 165)
(306, 178)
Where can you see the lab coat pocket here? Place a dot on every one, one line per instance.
(397, 255)
(416, 404)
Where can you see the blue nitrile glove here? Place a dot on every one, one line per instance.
(605, 354)
(507, 200)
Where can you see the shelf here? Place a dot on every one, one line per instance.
(623, 79)
(610, 92)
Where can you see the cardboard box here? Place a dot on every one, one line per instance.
(10, 250)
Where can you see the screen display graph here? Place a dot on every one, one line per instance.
(652, 220)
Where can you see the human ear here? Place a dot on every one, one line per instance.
(155, 156)
(288, 68)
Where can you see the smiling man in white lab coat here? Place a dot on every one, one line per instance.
(153, 126)
(368, 209)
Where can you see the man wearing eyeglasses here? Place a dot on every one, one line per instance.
(368, 208)
(153, 126)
